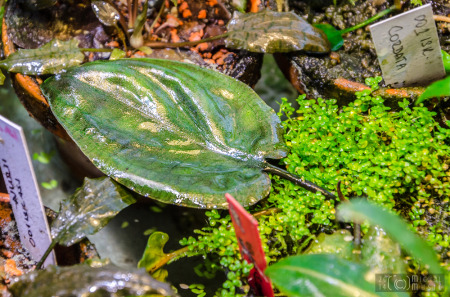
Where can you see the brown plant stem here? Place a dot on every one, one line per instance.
(297, 180)
(352, 87)
(168, 257)
(266, 212)
(441, 18)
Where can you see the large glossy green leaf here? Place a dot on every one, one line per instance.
(169, 130)
(274, 32)
(89, 209)
(395, 227)
(51, 58)
(322, 275)
(85, 281)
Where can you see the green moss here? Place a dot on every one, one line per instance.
(398, 159)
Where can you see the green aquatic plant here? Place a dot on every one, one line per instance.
(397, 159)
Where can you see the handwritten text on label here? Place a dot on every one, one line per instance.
(408, 48)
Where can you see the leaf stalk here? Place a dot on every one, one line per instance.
(298, 180)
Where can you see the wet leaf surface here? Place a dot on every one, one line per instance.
(105, 12)
(51, 58)
(321, 275)
(361, 210)
(89, 209)
(169, 130)
(274, 32)
(31, 29)
(83, 281)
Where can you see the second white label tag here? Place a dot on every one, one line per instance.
(408, 48)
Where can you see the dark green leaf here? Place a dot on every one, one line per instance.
(361, 210)
(334, 36)
(446, 59)
(439, 88)
(85, 281)
(89, 209)
(274, 32)
(173, 131)
(321, 275)
(106, 13)
(51, 58)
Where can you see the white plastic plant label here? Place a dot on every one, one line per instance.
(21, 184)
(408, 48)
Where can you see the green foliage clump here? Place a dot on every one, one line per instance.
(397, 159)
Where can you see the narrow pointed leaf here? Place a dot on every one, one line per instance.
(84, 281)
(51, 58)
(437, 89)
(169, 130)
(322, 275)
(334, 36)
(395, 227)
(89, 209)
(105, 12)
(274, 32)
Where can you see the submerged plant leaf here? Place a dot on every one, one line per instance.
(51, 58)
(395, 227)
(154, 257)
(106, 13)
(321, 275)
(274, 32)
(89, 209)
(173, 131)
(334, 36)
(84, 281)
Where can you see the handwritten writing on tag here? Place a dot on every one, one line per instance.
(22, 187)
(408, 48)
(246, 228)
